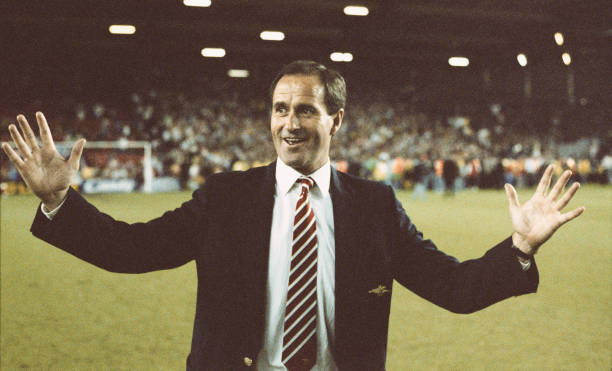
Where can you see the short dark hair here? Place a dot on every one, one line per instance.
(333, 82)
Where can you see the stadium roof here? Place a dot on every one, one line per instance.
(395, 36)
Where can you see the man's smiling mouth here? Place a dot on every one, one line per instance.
(294, 141)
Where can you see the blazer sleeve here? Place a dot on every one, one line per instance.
(162, 243)
(461, 287)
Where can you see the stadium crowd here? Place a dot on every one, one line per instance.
(392, 138)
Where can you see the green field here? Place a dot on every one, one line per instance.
(58, 312)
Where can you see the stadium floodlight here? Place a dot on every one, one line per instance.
(272, 35)
(238, 73)
(341, 57)
(198, 3)
(336, 57)
(567, 59)
(522, 59)
(559, 38)
(122, 29)
(213, 52)
(357, 10)
(458, 61)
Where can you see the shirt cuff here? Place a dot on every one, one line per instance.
(51, 214)
(525, 265)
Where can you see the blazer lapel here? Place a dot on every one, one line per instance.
(343, 203)
(255, 266)
(261, 216)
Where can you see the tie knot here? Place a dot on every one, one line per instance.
(306, 181)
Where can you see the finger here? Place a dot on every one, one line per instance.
(12, 155)
(21, 144)
(560, 185)
(545, 181)
(567, 196)
(45, 132)
(75, 155)
(571, 215)
(29, 135)
(512, 196)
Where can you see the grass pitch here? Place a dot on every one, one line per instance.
(58, 312)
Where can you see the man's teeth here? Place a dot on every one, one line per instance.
(293, 140)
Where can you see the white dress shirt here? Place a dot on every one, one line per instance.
(285, 199)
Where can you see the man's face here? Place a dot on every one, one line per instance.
(300, 125)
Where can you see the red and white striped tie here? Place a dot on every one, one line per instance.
(299, 338)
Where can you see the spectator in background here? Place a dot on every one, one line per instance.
(473, 177)
(450, 171)
(606, 166)
(531, 169)
(421, 174)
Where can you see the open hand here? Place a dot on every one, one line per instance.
(42, 168)
(536, 220)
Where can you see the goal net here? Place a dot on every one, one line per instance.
(118, 166)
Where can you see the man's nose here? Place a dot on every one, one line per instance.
(294, 121)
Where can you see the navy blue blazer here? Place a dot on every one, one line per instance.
(226, 226)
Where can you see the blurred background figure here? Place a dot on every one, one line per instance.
(450, 171)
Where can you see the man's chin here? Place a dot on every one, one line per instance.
(292, 161)
(295, 162)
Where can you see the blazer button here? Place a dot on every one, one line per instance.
(248, 362)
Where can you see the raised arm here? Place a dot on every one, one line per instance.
(477, 283)
(43, 169)
(80, 229)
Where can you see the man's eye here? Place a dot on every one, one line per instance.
(308, 110)
(281, 110)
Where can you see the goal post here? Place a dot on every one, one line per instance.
(107, 148)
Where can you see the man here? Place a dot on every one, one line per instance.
(295, 260)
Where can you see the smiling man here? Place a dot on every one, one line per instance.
(295, 261)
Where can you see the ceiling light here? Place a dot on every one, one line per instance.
(213, 52)
(458, 61)
(122, 29)
(198, 3)
(559, 38)
(356, 10)
(522, 59)
(238, 73)
(272, 35)
(567, 59)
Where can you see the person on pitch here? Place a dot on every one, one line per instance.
(295, 260)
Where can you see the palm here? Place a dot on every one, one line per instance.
(536, 220)
(48, 172)
(43, 169)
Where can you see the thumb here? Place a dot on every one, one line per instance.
(75, 155)
(512, 196)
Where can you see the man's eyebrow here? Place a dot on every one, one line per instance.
(279, 104)
(305, 105)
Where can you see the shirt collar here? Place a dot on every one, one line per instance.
(286, 177)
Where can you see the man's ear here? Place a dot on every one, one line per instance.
(337, 117)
